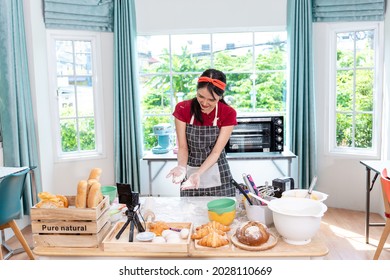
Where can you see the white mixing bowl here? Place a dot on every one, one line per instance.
(297, 219)
(315, 195)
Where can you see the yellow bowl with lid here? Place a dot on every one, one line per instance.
(222, 210)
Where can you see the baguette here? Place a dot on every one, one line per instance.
(82, 192)
(95, 174)
(94, 195)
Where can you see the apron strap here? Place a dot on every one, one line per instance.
(215, 118)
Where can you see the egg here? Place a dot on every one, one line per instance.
(184, 233)
(167, 232)
(159, 239)
(173, 238)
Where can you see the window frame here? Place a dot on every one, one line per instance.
(211, 33)
(333, 29)
(94, 38)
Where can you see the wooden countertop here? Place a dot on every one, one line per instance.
(315, 249)
(194, 210)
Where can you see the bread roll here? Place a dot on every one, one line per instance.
(94, 195)
(95, 174)
(49, 204)
(64, 200)
(81, 197)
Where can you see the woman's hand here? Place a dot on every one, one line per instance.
(178, 174)
(192, 182)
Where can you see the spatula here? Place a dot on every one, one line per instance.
(312, 184)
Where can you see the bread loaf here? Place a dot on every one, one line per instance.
(94, 195)
(95, 174)
(82, 192)
(253, 234)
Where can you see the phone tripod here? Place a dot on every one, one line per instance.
(133, 220)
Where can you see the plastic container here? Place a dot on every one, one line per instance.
(259, 213)
(222, 210)
(111, 191)
(302, 193)
(297, 219)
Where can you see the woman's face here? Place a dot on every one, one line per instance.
(207, 100)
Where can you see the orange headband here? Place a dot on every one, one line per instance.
(219, 84)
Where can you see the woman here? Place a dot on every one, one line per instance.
(203, 127)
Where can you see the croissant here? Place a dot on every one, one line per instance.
(202, 232)
(215, 225)
(158, 227)
(214, 240)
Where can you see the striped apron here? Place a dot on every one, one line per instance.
(216, 180)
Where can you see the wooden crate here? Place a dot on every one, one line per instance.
(111, 244)
(70, 227)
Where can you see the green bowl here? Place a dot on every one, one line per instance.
(111, 191)
(222, 205)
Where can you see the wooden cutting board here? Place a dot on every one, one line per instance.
(272, 240)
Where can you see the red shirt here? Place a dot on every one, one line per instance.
(227, 116)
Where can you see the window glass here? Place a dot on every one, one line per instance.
(75, 87)
(254, 64)
(356, 90)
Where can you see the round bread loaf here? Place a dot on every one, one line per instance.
(252, 234)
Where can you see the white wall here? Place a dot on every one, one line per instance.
(156, 16)
(62, 177)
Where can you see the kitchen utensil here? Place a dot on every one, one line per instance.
(297, 219)
(282, 184)
(238, 186)
(312, 184)
(247, 183)
(262, 200)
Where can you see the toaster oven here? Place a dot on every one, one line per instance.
(257, 134)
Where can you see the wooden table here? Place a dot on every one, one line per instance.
(191, 209)
(375, 166)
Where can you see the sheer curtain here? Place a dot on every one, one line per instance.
(127, 127)
(16, 114)
(302, 95)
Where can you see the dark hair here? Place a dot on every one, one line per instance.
(214, 74)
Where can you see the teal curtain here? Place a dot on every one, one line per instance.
(348, 10)
(302, 96)
(127, 127)
(16, 114)
(95, 15)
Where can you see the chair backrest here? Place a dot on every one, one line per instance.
(11, 190)
(385, 181)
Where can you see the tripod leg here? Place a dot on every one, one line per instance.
(118, 235)
(131, 234)
(138, 224)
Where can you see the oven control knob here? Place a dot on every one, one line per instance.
(279, 147)
(278, 122)
(279, 139)
(279, 130)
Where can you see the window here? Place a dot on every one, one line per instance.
(75, 88)
(356, 90)
(254, 63)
